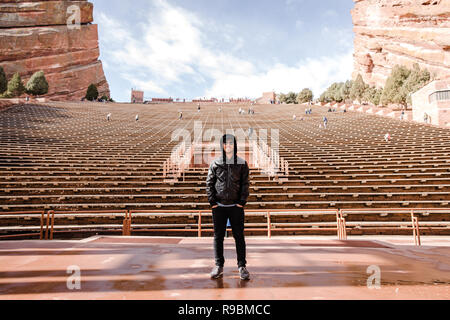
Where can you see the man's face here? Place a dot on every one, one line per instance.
(229, 148)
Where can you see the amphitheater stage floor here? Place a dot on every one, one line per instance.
(293, 268)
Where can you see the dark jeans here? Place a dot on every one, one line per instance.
(220, 217)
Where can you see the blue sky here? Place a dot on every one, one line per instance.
(223, 48)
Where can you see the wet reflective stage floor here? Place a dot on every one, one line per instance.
(178, 268)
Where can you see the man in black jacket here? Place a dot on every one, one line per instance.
(227, 187)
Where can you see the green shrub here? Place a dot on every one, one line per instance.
(37, 85)
(6, 95)
(345, 90)
(416, 81)
(327, 96)
(393, 92)
(358, 88)
(399, 86)
(336, 92)
(15, 86)
(92, 93)
(305, 95)
(368, 94)
(323, 97)
(372, 95)
(376, 98)
(3, 81)
(402, 83)
(291, 97)
(281, 97)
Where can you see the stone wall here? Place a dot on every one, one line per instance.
(35, 36)
(390, 32)
(266, 98)
(438, 111)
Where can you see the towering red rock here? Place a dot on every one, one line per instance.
(390, 32)
(35, 35)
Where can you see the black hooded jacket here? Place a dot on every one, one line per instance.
(228, 183)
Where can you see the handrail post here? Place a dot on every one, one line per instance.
(41, 233)
(199, 224)
(124, 224)
(47, 220)
(126, 228)
(416, 230)
(342, 232)
(344, 228)
(129, 222)
(269, 225)
(339, 228)
(53, 221)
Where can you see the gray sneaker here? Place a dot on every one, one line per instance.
(217, 272)
(244, 274)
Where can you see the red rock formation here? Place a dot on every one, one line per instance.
(390, 32)
(35, 36)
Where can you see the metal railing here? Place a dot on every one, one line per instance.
(410, 213)
(267, 214)
(179, 161)
(44, 218)
(47, 219)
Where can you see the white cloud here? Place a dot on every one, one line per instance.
(330, 13)
(293, 2)
(316, 74)
(174, 45)
(146, 85)
(340, 36)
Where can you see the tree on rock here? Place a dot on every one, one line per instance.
(393, 92)
(305, 95)
(15, 86)
(417, 80)
(291, 97)
(335, 92)
(92, 93)
(345, 89)
(369, 93)
(281, 97)
(376, 98)
(402, 83)
(372, 95)
(37, 85)
(3, 81)
(358, 88)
